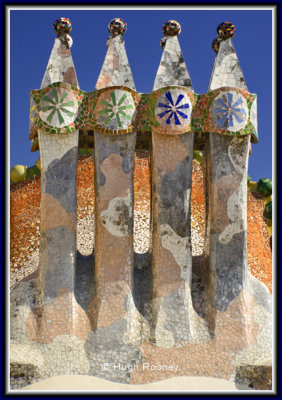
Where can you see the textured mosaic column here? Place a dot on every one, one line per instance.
(228, 181)
(114, 166)
(233, 292)
(58, 152)
(174, 319)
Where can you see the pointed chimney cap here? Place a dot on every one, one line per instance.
(225, 31)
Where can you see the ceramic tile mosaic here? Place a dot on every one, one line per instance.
(60, 66)
(56, 311)
(62, 26)
(119, 110)
(216, 43)
(173, 316)
(171, 28)
(115, 109)
(116, 69)
(226, 166)
(172, 69)
(113, 306)
(25, 206)
(173, 108)
(227, 70)
(226, 30)
(25, 219)
(117, 26)
(144, 274)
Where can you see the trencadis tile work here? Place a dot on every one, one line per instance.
(149, 272)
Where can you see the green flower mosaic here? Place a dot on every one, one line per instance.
(118, 111)
(58, 107)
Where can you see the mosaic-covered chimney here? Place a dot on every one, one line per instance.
(59, 103)
(226, 239)
(78, 314)
(174, 318)
(114, 149)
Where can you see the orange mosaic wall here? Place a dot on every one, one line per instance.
(25, 214)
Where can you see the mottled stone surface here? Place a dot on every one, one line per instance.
(227, 70)
(109, 355)
(226, 168)
(172, 69)
(58, 312)
(58, 221)
(114, 253)
(60, 181)
(55, 147)
(116, 69)
(227, 193)
(216, 357)
(60, 272)
(60, 66)
(228, 201)
(174, 318)
(257, 377)
(28, 358)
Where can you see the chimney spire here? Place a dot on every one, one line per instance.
(116, 69)
(172, 69)
(226, 70)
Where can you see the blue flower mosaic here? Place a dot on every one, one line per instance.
(173, 108)
(229, 111)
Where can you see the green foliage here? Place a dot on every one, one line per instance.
(32, 171)
(197, 156)
(85, 151)
(268, 210)
(265, 186)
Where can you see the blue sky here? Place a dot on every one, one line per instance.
(32, 38)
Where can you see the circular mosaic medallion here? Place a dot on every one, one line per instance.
(253, 115)
(58, 108)
(115, 109)
(173, 109)
(229, 111)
